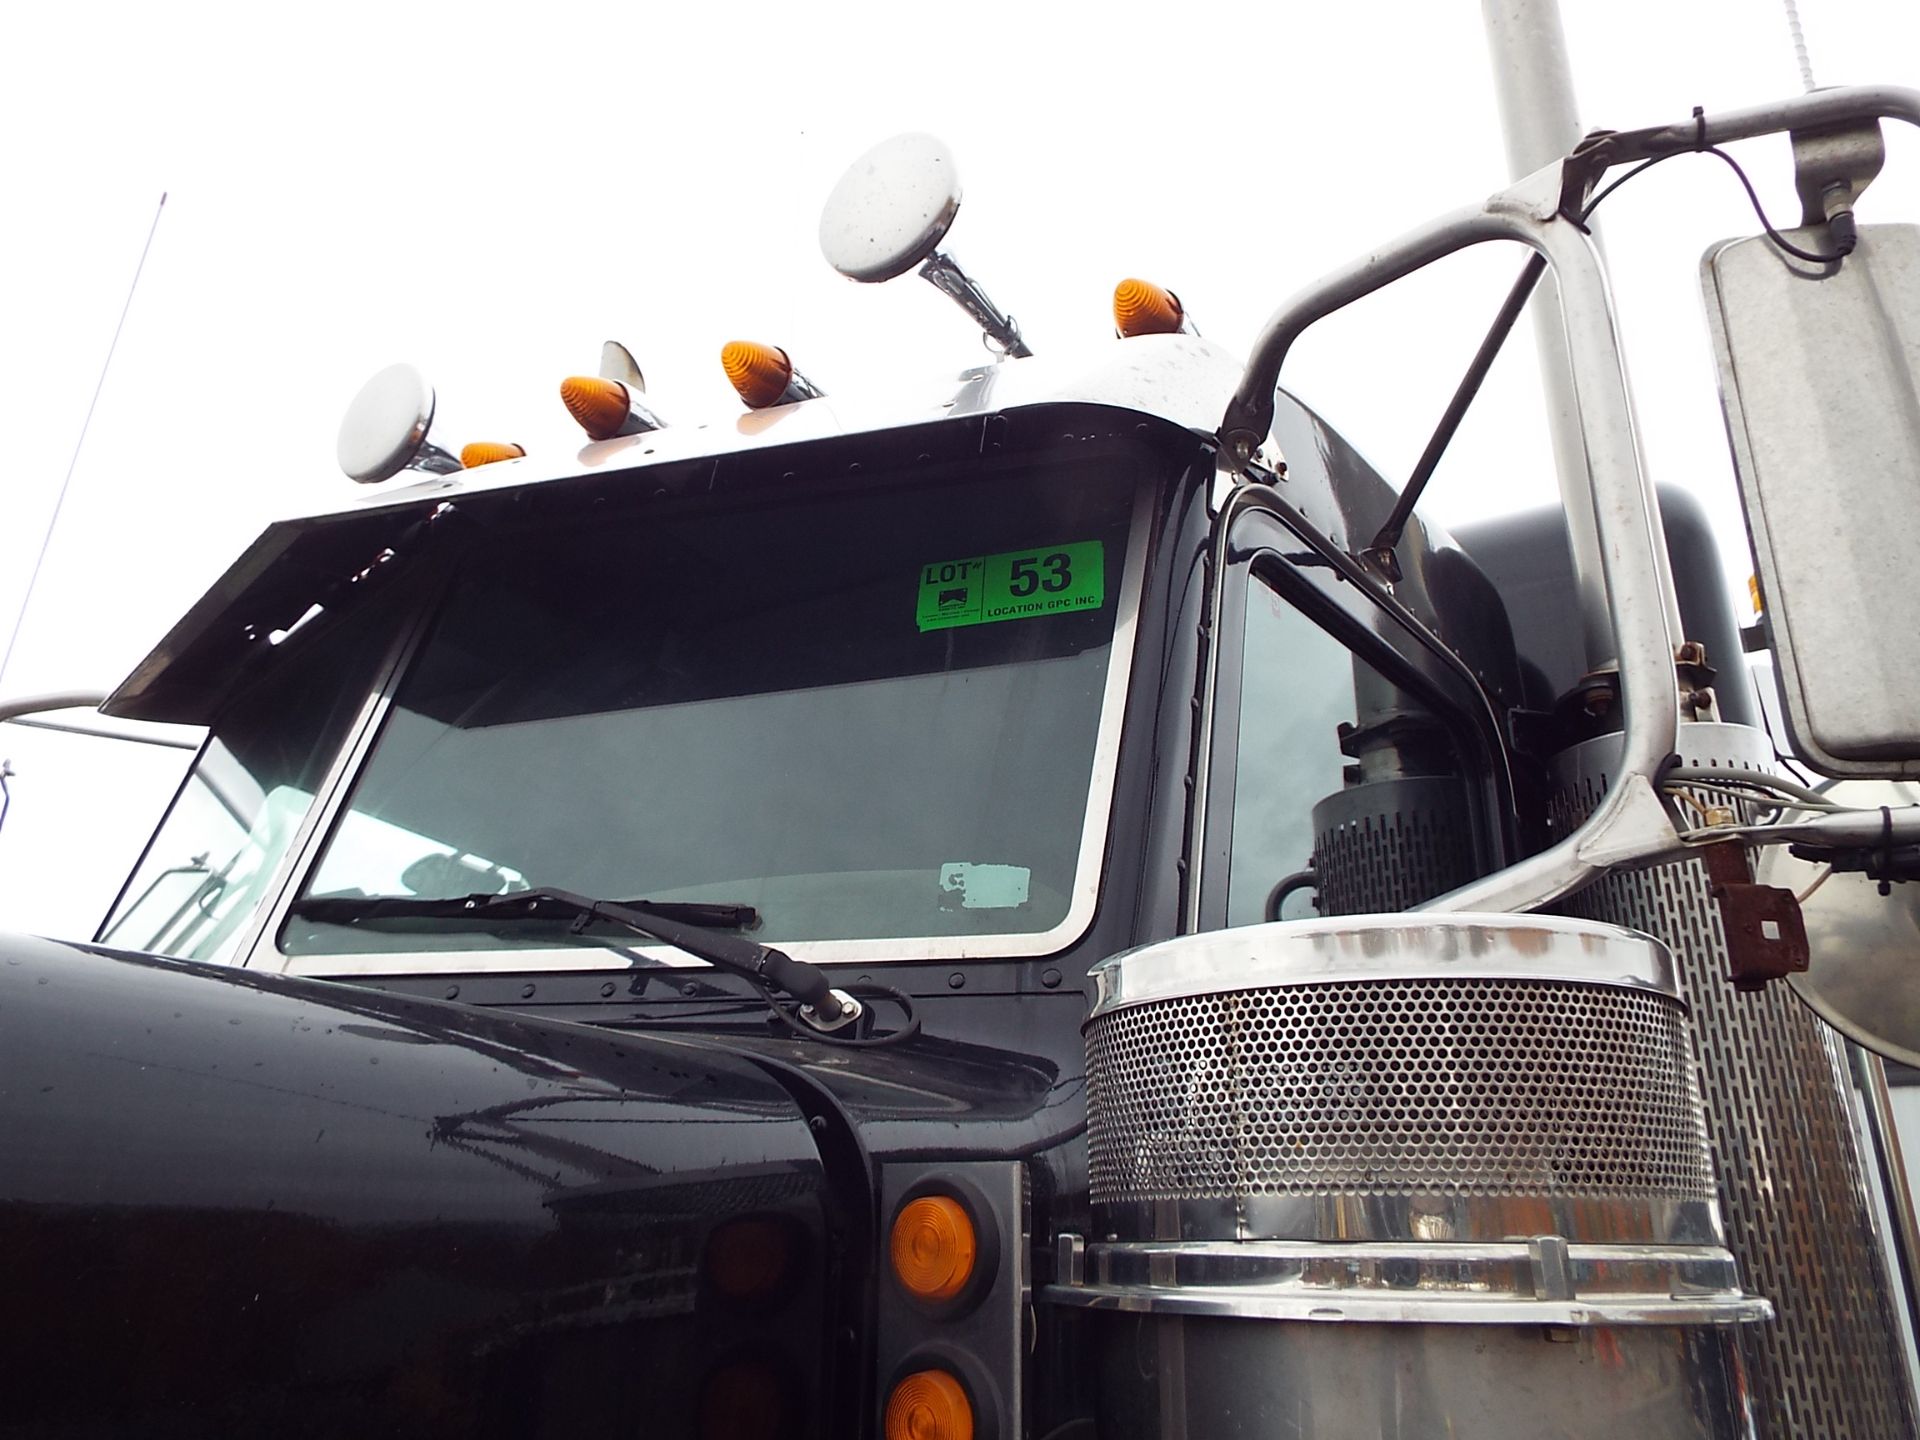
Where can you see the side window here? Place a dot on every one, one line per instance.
(214, 856)
(1349, 794)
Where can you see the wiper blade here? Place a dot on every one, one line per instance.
(516, 905)
(821, 1006)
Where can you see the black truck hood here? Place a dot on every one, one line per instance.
(319, 1209)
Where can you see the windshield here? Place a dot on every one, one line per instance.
(871, 717)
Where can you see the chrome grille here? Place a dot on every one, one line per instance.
(1392, 1087)
(1793, 1189)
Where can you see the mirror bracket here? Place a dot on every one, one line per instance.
(946, 276)
(1833, 165)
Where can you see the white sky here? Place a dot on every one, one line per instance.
(490, 193)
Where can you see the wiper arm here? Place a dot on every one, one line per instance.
(516, 905)
(687, 927)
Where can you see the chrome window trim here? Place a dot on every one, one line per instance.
(906, 949)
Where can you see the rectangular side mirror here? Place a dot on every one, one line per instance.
(1818, 372)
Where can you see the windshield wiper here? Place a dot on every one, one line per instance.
(685, 926)
(514, 905)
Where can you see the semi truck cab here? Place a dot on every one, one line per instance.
(1007, 916)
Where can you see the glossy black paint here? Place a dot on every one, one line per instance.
(997, 1074)
(240, 1205)
(1529, 557)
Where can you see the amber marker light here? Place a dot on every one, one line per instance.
(761, 373)
(933, 1248)
(488, 452)
(1141, 307)
(929, 1405)
(601, 406)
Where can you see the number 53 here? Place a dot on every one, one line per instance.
(1026, 579)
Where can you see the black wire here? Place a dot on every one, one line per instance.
(1619, 180)
(1842, 248)
(1840, 253)
(1387, 539)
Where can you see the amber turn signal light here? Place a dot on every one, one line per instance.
(486, 452)
(929, 1405)
(1141, 307)
(600, 406)
(933, 1247)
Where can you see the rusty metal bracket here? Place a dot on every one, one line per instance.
(1766, 934)
(1695, 677)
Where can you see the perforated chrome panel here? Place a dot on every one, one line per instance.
(1388, 845)
(1792, 1191)
(1417, 1086)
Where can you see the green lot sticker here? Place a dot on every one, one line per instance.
(1019, 585)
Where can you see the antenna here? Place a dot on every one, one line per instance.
(61, 499)
(1799, 45)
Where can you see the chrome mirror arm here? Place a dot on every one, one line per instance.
(1626, 588)
(943, 272)
(1822, 109)
(1620, 563)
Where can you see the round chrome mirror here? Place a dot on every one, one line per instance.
(891, 208)
(1864, 975)
(386, 425)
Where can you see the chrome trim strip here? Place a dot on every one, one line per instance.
(1412, 1217)
(1383, 947)
(1080, 910)
(1383, 1310)
(1539, 1280)
(1510, 1266)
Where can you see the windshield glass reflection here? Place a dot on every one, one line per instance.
(870, 715)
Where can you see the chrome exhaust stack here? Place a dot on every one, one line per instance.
(1393, 1175)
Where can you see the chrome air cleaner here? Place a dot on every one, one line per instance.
(1419, 1125)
